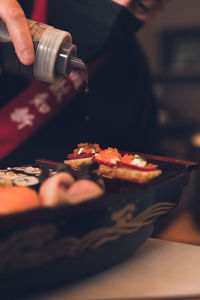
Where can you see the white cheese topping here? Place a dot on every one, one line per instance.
(114, 160)
(139, 161)
(80, 150)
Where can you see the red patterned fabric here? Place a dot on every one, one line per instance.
(40, 102)
(37, 105)
(40, 11)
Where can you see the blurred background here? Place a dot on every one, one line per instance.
(171, 41)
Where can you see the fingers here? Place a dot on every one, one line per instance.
(13, 16)
(123, 2)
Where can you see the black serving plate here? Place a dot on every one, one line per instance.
(48, 247)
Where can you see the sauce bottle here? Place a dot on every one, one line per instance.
(55, 55)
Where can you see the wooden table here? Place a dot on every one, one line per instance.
(157, 269)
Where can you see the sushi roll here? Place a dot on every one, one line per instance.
(26, 181)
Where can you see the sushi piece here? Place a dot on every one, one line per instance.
(26, 181)
(83, 190)
(32, 170)
(63, 189)
(88, 186)
(10, 175)
(53, 189)
(5, 182)
(90, 172)
(16, 199)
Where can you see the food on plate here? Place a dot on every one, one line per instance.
(134, 167)
(135, 162)
(70, 186)
(26, 181)
(83, 154)
(107, 159)
(19, 169)
(5, 182)
(9, 175)
(135, 175)
(53, 189)
(91, 172)
(63, 189)
(14, 177)
(76, 162)
(28, 170)
(83, 190)
(32, 170)
(87, 148)
(89, 185)
(17, 199)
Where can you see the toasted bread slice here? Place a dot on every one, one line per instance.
(135, 175)
(75, 163)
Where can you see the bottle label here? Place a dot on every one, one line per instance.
(37, 29)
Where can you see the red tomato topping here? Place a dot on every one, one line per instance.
(127, 158)
(105, 163)
(87, 148)
(109, 155)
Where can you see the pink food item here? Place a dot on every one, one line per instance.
(83, 190)
(61, 189)
(52, 191)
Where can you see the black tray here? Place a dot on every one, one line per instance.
(47, 247)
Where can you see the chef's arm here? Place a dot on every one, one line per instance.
(13, 16)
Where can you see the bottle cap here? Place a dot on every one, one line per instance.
(67, 60)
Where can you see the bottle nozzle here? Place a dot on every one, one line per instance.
(77, 63)
(67, 60)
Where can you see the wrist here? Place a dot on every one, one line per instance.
(149, 5)
(144, 9)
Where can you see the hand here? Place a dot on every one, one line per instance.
(13, 16)
(145, 9)
(142, 9)
(125, 3)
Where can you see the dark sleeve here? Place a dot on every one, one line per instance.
(27, 7)
(94, 24)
